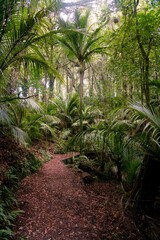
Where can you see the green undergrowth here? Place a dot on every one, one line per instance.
(89, 165)
(9, 209)
(46, 156)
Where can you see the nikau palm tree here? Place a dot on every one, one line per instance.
(20, 30)
(80, 44)
(66, 110)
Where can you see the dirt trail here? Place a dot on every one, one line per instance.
(58, 206)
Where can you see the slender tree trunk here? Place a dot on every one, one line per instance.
(90, 78)
(145, 56)
(141, 81)
(81, 75)
(147, 93)
(12, 83)
(44, 92)
(124, 90)
(51, 86)
(25, 82)
(25, 87)
(131, 89)
(67, 83)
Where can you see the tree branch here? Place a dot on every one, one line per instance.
(15, 98)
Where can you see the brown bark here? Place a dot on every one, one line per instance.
(145, 191)
(81, 75)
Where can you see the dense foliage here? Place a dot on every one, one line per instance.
(90, 83)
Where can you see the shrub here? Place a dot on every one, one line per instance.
(10, 183)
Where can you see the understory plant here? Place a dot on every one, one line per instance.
(65, 111)
(8, 204)
(147, 135)
(113, 151)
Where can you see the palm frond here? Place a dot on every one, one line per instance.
(52, 120)
(81, 19)
(35, 61)
(80, 42)
(32, 104)
(98, 50)
(146, 131)
(148, 120)
(68, 44)
(148, 112)
(4, 116)
(46, 128)
(20, 136)
(91, 43)
(19, 34)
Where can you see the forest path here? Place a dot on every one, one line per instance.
(58, 206)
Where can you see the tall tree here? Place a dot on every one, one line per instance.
(81, 43)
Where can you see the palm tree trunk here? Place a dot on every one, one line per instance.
(51, 86)
(25, 88)
(82, 70)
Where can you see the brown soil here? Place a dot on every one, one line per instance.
(57, 205)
